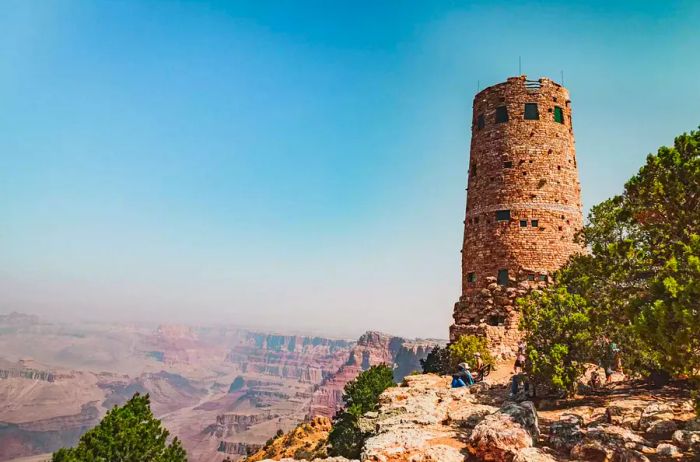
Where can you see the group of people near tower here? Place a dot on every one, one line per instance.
(611, 363)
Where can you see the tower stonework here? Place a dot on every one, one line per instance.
(523, 204)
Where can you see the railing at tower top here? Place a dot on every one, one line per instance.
(533, 85)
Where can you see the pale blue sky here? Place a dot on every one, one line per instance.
(296, 165)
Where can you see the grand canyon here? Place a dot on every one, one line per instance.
(223, 390)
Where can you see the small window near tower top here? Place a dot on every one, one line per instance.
(502, 215)
(480, 122)
(508, 164)
(473, 170)
(503, 277)
(523, 223)
(535, 223)
(501, 114)
(530, 277)
(531, 112)
(471, 277)
(543, 277)
(558, 115)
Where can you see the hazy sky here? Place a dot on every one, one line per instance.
(297, 165)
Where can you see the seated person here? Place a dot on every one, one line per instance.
(463, 377)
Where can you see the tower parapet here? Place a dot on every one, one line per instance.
(523, 203)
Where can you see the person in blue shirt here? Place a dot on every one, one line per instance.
(463, 378)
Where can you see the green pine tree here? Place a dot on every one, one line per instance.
(129, 433)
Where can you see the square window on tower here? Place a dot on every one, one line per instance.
(480, 122)
(523, 223)
(558, 115)
(503, 277)
(501, 114)
(502, 215)
(531, 112)
(471, 277)
(535, 223)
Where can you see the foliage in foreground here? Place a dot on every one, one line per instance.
(360, 396)
(639, 286)
(560, 337)
(438, 361)
(444, 360)
(463, 350)
(129, 433)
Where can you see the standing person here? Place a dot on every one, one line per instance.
(519, 365)
(479, 362)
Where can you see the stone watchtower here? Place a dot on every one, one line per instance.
(523, 204)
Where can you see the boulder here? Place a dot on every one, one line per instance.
(566, 432)
(625, 413)
(591, 451)
(692, 425)
(604, 443)
(469, 415)
(616, 437)
(686, 439)
(629, 455)
(533, 455)
(662, 428)
(655, 413)
(667, 450)
(330, 459)
(478, 388)
(501, 435)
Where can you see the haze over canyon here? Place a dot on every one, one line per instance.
(223, 390)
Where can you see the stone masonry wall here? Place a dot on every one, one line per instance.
(523, 204)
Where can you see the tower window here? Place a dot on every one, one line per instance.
(501, 114)
(523, 223)
(508, 164)
(496, 320)
(471, 277)
(535, 223)
(530, 277)
(558, 115)
(473, 170)
(543, 277)
(503, 277)
(480, 122)
(531, 112)
(502, 215)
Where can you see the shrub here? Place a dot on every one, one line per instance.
(438, 361)
(560, 337)
(463, 350)
(360, 396)
(444, 360)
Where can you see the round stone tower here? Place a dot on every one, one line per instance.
(523, 204)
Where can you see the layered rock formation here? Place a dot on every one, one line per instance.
(372, 348)
(224, 391)
(306, 441)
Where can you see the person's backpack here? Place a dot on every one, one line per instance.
(457, 382)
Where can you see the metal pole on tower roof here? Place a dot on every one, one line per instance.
(520, 67)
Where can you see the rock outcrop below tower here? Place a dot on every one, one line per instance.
(523, 204)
